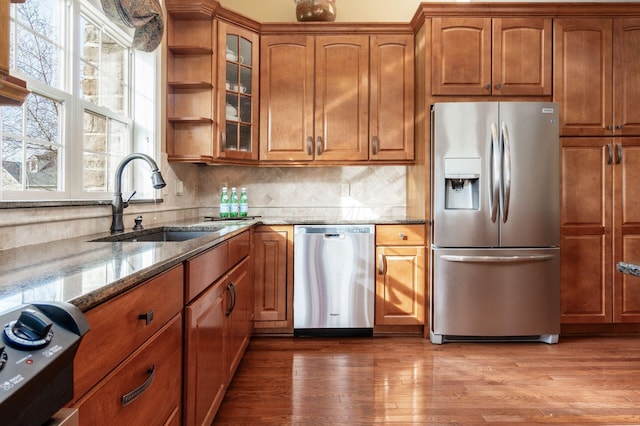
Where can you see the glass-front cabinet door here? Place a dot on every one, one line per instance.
(238, 89)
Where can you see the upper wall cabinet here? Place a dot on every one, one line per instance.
(12, 90)
(336, 99)
(238, 93)
(596, 78)
(485, 56)
(212, 85)
(190, 85)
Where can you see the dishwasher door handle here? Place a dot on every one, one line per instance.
(334, 236)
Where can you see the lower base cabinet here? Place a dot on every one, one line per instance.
(273, 275)
(143, 389)
(218, 325)
(205, 373)
(400, 275)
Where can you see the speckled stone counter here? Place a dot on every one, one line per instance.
(629, 268)
(87, 273)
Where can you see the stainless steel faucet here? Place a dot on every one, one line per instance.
(118, 205)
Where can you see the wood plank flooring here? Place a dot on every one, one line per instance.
(407, 380)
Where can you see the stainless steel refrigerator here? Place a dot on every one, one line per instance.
(495, 202)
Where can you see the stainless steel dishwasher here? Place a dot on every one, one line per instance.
(333, 283)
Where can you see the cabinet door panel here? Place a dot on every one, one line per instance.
(400, 289)
(627, 76)
(461, 56)
(586, 180)
(204, 373)
(391, 102)
(583, 75)
(273, 281)
(521, 62)
(240, 320)
(585, 278)
(286, 98)
(627, 287)
(342, 98)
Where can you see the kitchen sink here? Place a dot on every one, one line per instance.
(163, 234)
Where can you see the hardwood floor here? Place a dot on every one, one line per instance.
(406, 380)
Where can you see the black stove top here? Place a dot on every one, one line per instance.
(36, 360)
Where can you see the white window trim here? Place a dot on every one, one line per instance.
(145, 127)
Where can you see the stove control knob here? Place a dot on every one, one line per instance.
(3, 357)
(31, 331)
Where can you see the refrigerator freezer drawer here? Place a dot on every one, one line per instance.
(496, 293)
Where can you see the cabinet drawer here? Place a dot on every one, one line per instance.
(399, 235)
(204, 269)
(117, 330)
(145, 389)
(239, 248)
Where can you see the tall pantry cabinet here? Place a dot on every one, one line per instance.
(597, 84)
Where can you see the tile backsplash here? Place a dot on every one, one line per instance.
(354, 192)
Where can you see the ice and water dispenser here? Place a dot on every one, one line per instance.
(462, 183)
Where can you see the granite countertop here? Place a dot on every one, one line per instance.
(87, 273)
(629, 268)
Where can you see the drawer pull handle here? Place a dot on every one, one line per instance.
(147, 317)
(128, 398)
(231, 288)
(403, 236)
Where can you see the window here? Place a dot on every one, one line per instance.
(86, 111)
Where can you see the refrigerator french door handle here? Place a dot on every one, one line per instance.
(497, 259)
(494, 194)
(506, 172)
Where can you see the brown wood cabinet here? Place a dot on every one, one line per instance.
(336, 98)
(273, 250)
(145, 389)
(238, 84)
(400, 278)
(218, 324)
(600, 226)
(12, 90)
(491, 56)
(130, 335)
(212, 86)
(596, 78)
(191, 64)
(205, 373)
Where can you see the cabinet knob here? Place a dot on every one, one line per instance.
(609, 127)
(147, 317)
(620, 126)
(487, 86)
(498, 86)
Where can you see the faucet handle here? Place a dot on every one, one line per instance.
(126, 202)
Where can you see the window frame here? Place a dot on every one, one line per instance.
(143, 125)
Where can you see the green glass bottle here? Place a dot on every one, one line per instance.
(244, 203)
(224, 203)
(234, 207)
